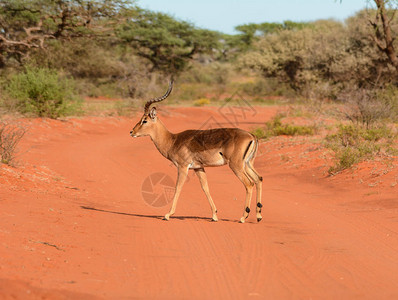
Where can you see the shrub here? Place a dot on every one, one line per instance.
(320, 60)
(367, 107)
(259, 133)
(389, 97)
(275, 127)
(353, 143)
(126, 107)
(10, 136)
(300, 56)
(288, 129)
(42, 92)
(210, 73)
(263, 87)
(190, 91)
(346, 158)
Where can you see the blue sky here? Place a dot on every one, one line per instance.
(224, 15)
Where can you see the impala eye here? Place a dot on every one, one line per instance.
(145, 121)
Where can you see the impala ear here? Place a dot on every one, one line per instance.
(152, 113)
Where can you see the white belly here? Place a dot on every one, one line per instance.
(218, 161)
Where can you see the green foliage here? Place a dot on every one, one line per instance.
(346, 158)
(190, 91)
(167, 43)
(249, 33)
(83, 59)
(288, 129)
(352, 135)
(42, 92)
(275, 128)
(115, 49)
(353, 144)
(326, 54)
(213, 73)
(260, 133)
(298, 56)
(126, 107)
(100, 68)
(26, 26)
(388, 96)
(263, 87)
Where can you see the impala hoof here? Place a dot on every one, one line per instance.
(166, 217)
(242, 220)
(214, 219)
(259, 219)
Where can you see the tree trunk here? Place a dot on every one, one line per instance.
(389, 49)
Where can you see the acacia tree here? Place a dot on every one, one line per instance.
(168, 44)
(249, 33)
(26, 24)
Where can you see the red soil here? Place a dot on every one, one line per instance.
(74, 224)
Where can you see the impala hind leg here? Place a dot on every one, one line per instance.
(248, 183)
(258, 180)
(203, 182)
(181, 177)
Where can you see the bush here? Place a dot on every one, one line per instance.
(288, 129)
(127, 107)
(42, 92)
(367, 107)
(346, 158)
(263, 87)
(389, 97)
(299, 57)
(10, 136)
(320, 60)
(275, 128)
(190, 91)
(211, 73)
(260, 133)
(353, 143)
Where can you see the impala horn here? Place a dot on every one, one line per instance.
(154, 100)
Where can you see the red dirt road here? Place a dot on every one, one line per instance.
(74, 224)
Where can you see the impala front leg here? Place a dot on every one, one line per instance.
(203, 181)
(182, 175)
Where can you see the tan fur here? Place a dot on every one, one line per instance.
(197, 149)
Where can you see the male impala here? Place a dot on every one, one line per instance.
(197, 149)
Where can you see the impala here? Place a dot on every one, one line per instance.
(197, 149)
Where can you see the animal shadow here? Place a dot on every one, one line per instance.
(197, 218)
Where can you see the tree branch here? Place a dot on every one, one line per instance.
(387, 35)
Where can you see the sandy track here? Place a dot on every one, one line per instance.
(88, 233)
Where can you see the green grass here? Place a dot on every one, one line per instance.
(42, 92)
(353, 144)
(275, 128)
